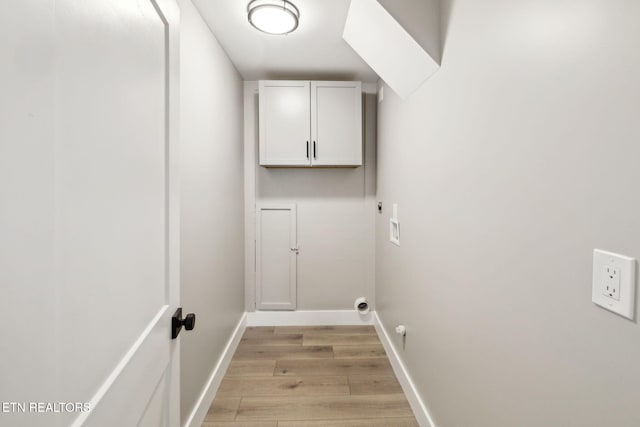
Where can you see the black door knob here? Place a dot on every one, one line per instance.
(177, 322)
(189, 322)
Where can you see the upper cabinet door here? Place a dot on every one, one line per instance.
(284, 110)
(336, 123)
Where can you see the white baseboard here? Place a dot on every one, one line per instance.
(415, 401)
(306, 318)
(197, 416)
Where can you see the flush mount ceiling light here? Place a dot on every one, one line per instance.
(273, 16)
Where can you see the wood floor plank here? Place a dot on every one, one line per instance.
(223, 409)
(310, 376)
(282, 352)
(378, 366)
(272, 339)
(370, 422)
(339, 339)
(251, 368)
(323, 407)
(345, 330)
(252, 331)
(374, 384)
(352, 351)
(240, 424)
(284, 386)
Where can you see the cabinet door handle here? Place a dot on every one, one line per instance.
(314, 149)
(307, 149)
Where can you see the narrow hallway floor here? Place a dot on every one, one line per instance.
(304, 376)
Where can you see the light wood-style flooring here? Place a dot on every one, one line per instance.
(306, 376)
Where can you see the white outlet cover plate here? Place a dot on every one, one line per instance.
(625, 306)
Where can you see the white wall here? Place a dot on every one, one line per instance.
(510, 165)
(212, 240)
(335, 218)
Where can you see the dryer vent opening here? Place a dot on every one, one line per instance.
(361, 305)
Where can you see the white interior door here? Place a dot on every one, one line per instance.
(88, 223)
(276, 257)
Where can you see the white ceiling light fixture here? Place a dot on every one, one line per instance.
(273, 16)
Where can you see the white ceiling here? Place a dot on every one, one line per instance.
(314, 51)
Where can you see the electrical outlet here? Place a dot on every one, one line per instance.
(614, 282)
(611, 282)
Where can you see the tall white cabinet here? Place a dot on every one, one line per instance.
(310, 123)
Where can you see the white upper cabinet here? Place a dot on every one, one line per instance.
(336, 123)
(316, 123)
(285, 120)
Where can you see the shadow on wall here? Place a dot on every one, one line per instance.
(303, 75)
(446, 8)
(310, 183)
(427, 21)
(422, 20)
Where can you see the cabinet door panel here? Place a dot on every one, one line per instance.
(336, 123)
(276, 257)
(284, 115)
